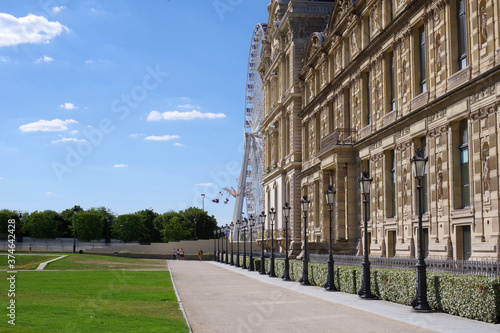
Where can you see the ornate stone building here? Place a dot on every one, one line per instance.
(358, 85)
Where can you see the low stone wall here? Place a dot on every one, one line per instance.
(164, 250)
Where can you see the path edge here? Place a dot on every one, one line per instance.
(178, 297)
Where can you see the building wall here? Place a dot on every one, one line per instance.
(379, 80)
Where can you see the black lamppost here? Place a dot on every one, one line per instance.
(18, 227)
(330, 282)
(237, 243)
(218, 244)
(419, 302)
(226, 233)
(108, 240)
(245, 228)
(305, 262)
(251, 225)
(365, 291)
(231, 226)
(215, 250)
(286, 215)
(195, 220)
(75, 210)
(272, 217)
(262, 218)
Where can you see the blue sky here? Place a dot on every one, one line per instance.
(125, 104)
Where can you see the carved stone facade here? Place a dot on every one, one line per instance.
(363, 91)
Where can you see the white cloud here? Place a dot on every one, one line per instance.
(162, 138)
(89, 62)
(73, 132)
(204, 184)
(58, 9)
(179, 144)
(43, 59)
(4, 59)
(120, 166)
(62, 140)
(68, 106)
(189, 106)
(178, 115)
(136, 135)
(56, 125)
(29, 29)
(1, 178)
(48, 193)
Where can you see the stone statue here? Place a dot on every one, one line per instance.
(486, 170)
(405, 77)
(440, 182)
(438, 53)
(484, 21)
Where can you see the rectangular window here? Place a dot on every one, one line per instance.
(425, 204)
(462, 35)
(393, 184)
(392, 78)
(347, 120)
(464, 164)
(421, 53)
(368, 99)
(331, 113)
(391, 10)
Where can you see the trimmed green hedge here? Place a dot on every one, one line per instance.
(470, 296)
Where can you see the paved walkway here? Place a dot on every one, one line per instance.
(42, 265)
(221, 298)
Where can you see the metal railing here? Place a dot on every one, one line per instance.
(474, 267)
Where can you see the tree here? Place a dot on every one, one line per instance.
(129, 228)
(205, 224)
(66, 227)
(89, 226)
(148, 216)
(105, 214)
(43, 225)
(173, 227)
(5, 216)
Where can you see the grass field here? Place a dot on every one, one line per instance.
(26, 261)
(79, 299)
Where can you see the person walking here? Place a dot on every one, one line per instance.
(178, 254)
(200, 254)
(174, 255)
(182, 253)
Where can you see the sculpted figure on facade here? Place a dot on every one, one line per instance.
(354, 40)
(439, 181)
(486, 171)
(438, 53)
(483, 22)
(405, 77)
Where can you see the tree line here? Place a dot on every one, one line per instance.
(145, 226)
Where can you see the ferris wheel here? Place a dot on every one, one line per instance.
(249, 184)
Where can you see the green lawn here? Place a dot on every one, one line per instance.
(25, 261)
(92, 301)
(97, 262)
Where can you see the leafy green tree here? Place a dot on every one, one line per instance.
(66, 227)
(5, 216)
(43, 225)
(173, 227)
(129, 228)
(89, 226)
(205, 224)
(148, 216)
(105, 215)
